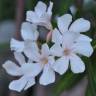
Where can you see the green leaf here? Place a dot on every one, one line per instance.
(67, 81)
(91, 91)
(88, 92)
(64, 6)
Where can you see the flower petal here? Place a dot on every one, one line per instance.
(18, 85)
(29, 31)
(84, 38)
(31, 17)
(48, 75)
(56, 36)
(12, 69)
(61, 65)
(45, 49)
(40, 8)
(31, 69)
(16, 45)
(77, 65)
(80, 25)
(30, 83)
(49, 10)
(83, 48)
(44, 20)
(56, 50)
(51, 60)
(64, 22)
(20, 58)
(69, 38)
(32, 51)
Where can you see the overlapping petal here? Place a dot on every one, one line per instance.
(16, 45)
(77, 65)
(80, 25)
(29, 31)
(12, 69)
(83, 48)
(32, 51)
(69, 38)
(18, 85)
(83, 38)
(45, 50)
(61, 65)
(64, 22)
(20, 58)
(30, 83)
(48, 75)
(56, 36)
(31, 69)
(31, 16)
(49, 10)
(40, 8)
(56, 50)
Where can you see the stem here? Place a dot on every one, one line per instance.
(90, 77)
(19, 16)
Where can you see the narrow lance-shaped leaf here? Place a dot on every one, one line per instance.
(91, 91)
(67, 81)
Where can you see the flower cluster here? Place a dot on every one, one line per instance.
(67, 42)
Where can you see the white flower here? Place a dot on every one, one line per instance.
(41, 15)
(69, 43)
(68, 51)
(42, 57)
(78, 26)
(29, 33)
(26, 71)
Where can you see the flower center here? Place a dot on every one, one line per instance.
(66, 51)
(44, 60)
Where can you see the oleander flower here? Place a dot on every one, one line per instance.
(41, 15)
(64, 25)
(29, 34)
(43, 58)
(68, 37)
(25, 70)
(70, 48)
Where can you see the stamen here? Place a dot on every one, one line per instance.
(44, 60)
(66, 52)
